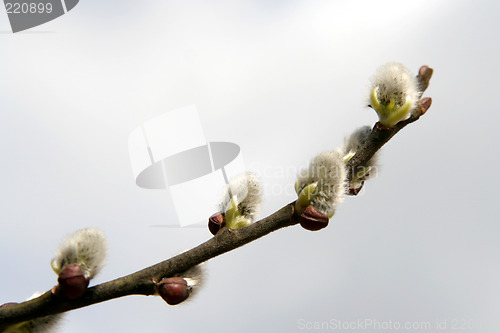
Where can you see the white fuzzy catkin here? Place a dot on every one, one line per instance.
(247, 190)
(86, 247)
(394, 82)
(328, 171)
(194, 277)
(352, 144)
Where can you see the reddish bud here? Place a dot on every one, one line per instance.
(424, 76)
(173, 290)
(7, 304)
(313, 220)
(215, 223)
(72, 282)
(423, 70)
(425, 104)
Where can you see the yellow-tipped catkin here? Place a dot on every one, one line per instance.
(241, 201)
(393, 93)
(323, 183)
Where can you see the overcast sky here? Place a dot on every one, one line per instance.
(284, 80)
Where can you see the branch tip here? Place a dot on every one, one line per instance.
(145, 281)
(424, 77)
(425, 104)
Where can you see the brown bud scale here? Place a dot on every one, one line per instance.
(72, 282)
(313, 220)
(173, 290)
(215, 223)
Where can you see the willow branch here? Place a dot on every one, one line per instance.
(144, 281)
(380, 134)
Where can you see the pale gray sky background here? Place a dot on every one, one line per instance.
(284, 80)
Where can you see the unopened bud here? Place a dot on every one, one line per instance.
(215, 223)
(313, 220)
(173, 290)
(72, 282)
